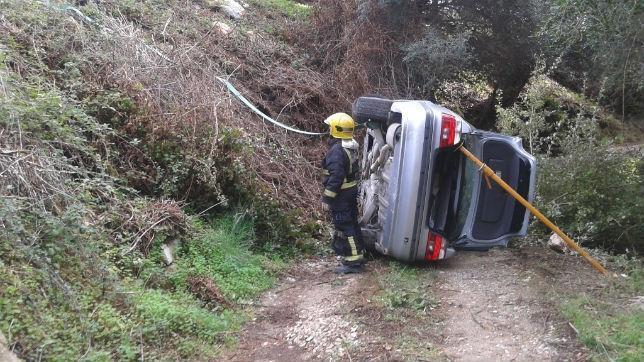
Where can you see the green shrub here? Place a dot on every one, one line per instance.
(223, 255)
(590, 189)
(601, 40)
(551, 119)
(437, 57)
(111, 107)
(48, 309)
(277, 230)
(464, 94)
(596, 195)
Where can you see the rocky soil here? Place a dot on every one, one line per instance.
(307, 317)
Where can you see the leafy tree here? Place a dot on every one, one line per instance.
(435, 40)
(604, 40)
(437, 56)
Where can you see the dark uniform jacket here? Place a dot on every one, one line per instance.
(340, 170)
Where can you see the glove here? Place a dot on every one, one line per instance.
(327, 200)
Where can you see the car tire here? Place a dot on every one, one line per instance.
(371, 109)
(393, 135)
(369, 239)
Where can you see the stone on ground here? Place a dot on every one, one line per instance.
(229, 7)
(223, 28)
(557, 244)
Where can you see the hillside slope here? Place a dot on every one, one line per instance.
(116, 140)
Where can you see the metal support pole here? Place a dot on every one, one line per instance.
(571, 244)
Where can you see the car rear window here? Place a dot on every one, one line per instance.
(450, 198)
(444, 191)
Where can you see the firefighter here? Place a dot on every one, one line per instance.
(340, 167)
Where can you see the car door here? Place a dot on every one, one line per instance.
(486, 215)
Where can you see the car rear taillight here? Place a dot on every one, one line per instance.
(434, 247)
(450, 131)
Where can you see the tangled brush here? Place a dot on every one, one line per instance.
(206, 290)
(162, 219)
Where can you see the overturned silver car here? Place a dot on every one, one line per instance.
(421, 200)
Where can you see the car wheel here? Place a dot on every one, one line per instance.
(393, 135)
(371, 109)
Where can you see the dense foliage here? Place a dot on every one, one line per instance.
(551, 72)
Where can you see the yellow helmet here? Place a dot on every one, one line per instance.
(341, 126)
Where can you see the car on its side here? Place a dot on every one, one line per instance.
(420, 198)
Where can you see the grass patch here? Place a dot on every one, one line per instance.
(223, 254)
(166, 314)
(415, 349)
(290, 8)
(406, 287)
(406, 302)
(611, 324)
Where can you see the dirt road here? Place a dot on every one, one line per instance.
(493, 306)
(496, 310)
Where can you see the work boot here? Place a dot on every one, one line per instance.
(349, 269)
